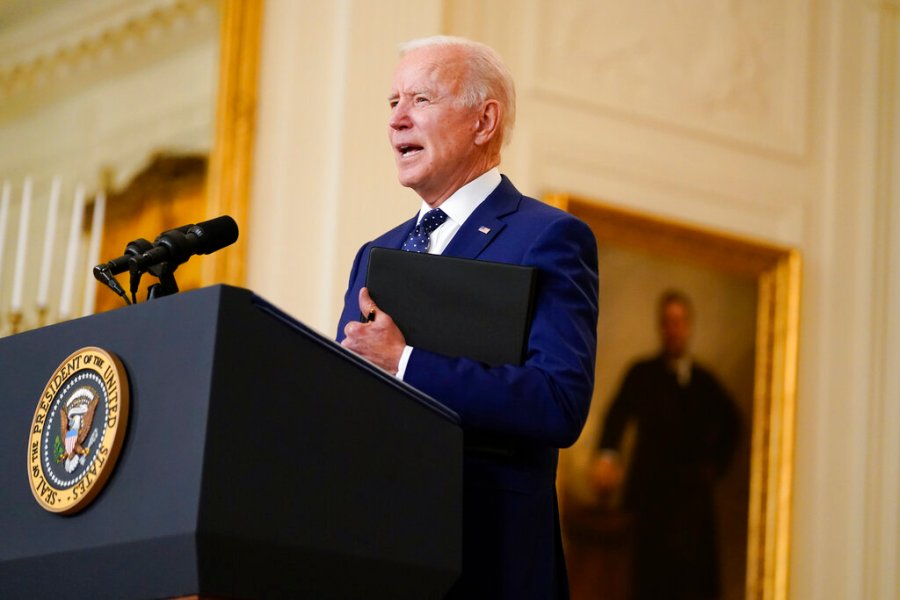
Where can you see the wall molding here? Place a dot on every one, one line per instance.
(44, 52)
(882, 517)
(665, 189)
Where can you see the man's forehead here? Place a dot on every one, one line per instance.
(411, 88)
(418, 75)
(426, 69)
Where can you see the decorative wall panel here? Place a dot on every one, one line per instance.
(734, 69)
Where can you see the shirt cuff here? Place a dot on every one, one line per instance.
(404, 360)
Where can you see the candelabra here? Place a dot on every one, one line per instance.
(15, 320)
(33, 267)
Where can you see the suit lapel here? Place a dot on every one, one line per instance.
(485, 223)
(398, 235)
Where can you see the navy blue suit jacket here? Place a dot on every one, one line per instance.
(511, 539)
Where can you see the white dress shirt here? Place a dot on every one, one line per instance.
(458, 207)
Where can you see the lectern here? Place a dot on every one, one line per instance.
(260, 459)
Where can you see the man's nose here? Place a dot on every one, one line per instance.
(399, 117)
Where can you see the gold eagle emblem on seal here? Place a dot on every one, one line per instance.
(78, 430)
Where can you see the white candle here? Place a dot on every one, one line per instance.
(90, 286)
(4, 214)
(49, 241)
(65, 300)
(21, 248)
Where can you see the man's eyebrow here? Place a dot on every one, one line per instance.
(416, 92)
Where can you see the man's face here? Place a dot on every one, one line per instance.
(431, 132)
(675, 329)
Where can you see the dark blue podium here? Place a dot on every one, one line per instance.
(260, 460)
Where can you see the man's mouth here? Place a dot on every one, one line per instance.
(408, 149)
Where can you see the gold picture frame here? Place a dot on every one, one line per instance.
(181, 187)
(231, 162)
(777, 272)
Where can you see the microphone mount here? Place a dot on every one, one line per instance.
(106, 273)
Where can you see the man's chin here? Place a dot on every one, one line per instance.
(408, 179)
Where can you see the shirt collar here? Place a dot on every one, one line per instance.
(682, 368)
(463, 202)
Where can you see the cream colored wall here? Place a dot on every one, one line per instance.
(772, 119)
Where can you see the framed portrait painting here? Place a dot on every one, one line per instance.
(744, 312)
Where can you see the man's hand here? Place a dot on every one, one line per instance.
(605, 474)
(379, 340)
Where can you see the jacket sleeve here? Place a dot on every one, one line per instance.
(546, 400)
(351, 302)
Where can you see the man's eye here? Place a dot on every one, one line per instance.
(393, 103)
(421, 99)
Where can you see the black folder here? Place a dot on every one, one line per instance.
(455, 306)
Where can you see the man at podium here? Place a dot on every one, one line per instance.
(452, 108)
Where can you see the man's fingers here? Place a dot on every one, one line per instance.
(366, 305)
(350, 328)
(364, 298)
(380, 342)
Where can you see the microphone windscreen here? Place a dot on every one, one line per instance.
(214, 234)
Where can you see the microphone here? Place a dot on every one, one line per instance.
(120, 265)
(106, 273)
(176, 246)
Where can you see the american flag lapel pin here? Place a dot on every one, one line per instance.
(484, 229)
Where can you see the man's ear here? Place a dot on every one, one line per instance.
(487, 127)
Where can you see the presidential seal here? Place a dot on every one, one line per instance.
(77, 430)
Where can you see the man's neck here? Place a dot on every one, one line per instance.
(435, 199)
(459, 205)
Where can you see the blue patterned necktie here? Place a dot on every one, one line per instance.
(420, 238)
